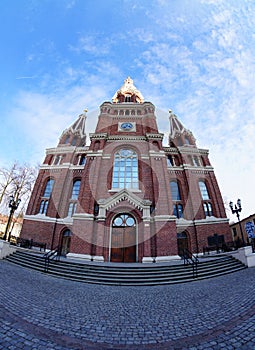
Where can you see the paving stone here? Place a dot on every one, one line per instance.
(38, 311)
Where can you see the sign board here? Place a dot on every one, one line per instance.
(250, 227)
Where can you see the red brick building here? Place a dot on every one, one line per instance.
(126, 197)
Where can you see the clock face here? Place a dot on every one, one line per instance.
(126, 126)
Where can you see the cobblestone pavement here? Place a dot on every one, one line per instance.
(38, 311)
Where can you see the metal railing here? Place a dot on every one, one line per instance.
(190, 259)
(53, 254)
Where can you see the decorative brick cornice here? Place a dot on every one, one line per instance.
(98, 136)
(176, 172)
(157, 136)
(194, 170)
(127, 138)
(200, 171)
(172, 150)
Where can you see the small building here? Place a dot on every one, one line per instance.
(126, 197)
(236, 229)
(15, 226)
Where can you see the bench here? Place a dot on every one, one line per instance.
(222, 247)
(29, 243)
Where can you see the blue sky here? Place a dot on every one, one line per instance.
(196, 57)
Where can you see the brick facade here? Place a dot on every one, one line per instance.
(161, 224)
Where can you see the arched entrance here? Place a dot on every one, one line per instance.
(65, 242)
(123, 239)
(182, 242)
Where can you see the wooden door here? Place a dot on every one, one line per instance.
(182, 242)
(65, 243)
(129, 244)
(123, 243)
(117, 249)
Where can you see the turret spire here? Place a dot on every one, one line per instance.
(179, 135)
(75, 134)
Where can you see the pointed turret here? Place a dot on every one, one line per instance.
(75, 135)
(128, 93)
(179, 135)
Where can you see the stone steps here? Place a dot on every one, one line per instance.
(127, 274)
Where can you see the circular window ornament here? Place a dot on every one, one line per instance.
(126, 126)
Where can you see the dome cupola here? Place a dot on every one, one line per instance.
(128, 93)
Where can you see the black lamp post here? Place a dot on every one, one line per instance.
(13, 204)
(237, 210)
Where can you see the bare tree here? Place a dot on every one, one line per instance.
(16, 184)
(6, 178)
(17, 181)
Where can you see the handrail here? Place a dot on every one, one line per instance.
(190, 259)
(51, 255)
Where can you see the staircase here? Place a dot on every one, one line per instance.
(128, 274)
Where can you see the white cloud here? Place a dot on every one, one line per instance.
(93, 45)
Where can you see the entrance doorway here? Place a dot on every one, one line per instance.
(182, 242)
(123, 239)
(65, 242)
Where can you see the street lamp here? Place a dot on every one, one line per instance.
(13, 204)
(237, 210)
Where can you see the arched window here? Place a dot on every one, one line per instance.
(43, 206)
(125, 169)
(45, 197)
(206, 199)
(74, 197)
(175, 191)
(208, 209)
(196, 161)
(170, 161)
(176, 198)
(74, 141)
(76, 189)
(67, 139)
(82, 160)
(203, 190)
(57, 159)
(48, 188)
(187, 142)
(71, 208)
